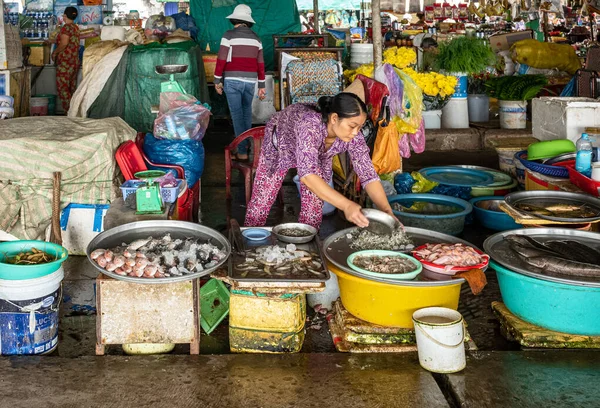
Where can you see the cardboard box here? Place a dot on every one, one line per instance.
(39, 54)
(503, 42)
(564, 118)
(11, 54)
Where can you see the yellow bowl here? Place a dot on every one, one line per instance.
(391, 305)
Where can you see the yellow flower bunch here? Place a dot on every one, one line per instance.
(433, 83)
(366, 70)
(400, 57)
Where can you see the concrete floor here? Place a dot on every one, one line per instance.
(318, 377)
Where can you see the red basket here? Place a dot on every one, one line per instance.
(585, 183)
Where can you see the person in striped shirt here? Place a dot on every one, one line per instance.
(240, 64)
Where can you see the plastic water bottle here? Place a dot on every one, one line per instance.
(583, 161)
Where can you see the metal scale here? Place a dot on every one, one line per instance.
(147, 197)
(171, 85)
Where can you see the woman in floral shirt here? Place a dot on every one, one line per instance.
(66, 56)
(307, 137)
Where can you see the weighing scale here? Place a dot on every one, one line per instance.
(171, 85)
(148, 198)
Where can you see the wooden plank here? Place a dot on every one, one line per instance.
(530, 335)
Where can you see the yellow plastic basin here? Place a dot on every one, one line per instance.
(391, 305)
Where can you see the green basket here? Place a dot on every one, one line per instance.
(21, 272)
(214, 304)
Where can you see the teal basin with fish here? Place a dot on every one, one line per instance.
(554, 306)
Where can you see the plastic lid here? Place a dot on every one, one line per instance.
(584, 135)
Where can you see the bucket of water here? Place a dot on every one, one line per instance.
(29, 314)
(440, 339)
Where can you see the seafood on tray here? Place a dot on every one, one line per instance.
(563, 257)
(450, 255)
(279, 262)
(361, 239)
(385, 264)
(559, 210)
(294, 232)
(159, 257)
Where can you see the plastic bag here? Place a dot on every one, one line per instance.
(422, 185)
(453, 191)
(404, 146)
(388, 188)
(182, 117)
(186, 153)
(403, 183)
(417, 140)
(386, 157)
(167, 181)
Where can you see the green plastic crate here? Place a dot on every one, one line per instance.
(214, 304)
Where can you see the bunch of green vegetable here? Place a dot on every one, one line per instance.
(515, 88)
(464, 55)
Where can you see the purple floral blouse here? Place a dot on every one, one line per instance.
(295, 138)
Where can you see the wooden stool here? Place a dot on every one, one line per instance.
(132, 313)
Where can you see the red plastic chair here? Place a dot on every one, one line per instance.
(131, 160)
(246, 168)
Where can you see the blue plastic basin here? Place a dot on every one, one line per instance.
(491, 216)
(555, 306)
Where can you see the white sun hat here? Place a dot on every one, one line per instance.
(242, 12)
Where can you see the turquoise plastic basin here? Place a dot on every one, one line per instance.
(555, 306)
(19, 272)
(492, 217)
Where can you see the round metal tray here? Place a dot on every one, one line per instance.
(137, 230)
(336, 249)
(554, 197)
(497, 248)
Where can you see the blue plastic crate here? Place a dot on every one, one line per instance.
(169, 194)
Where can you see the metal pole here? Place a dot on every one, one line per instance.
(316, 12)
(377, 39)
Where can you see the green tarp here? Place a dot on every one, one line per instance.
(134, 86)
(272, 17)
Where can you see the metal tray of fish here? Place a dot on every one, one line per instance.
(550, 205)
(498, 249)
(336, 249)
(128, 233)
(239, 271)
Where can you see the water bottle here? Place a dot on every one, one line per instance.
(583, 161)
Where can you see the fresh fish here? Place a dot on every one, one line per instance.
(575, 251)
(138, 243)
(559, 210)
(97, 253)
(561, 266)
(525, 240)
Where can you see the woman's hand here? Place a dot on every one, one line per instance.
(262, 93)
(353, 213)
(219, 88)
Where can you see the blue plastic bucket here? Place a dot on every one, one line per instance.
(327, 208)
(29, 314)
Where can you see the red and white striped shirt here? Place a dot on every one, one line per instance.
(241, 57)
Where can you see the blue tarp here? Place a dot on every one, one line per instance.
(272, 17)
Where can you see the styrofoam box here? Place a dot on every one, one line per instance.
(564, 118)
(11, 55)
(80, 223)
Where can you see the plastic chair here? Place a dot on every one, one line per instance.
(246, 168)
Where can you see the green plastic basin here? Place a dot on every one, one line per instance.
(21, 272)
(549, 148)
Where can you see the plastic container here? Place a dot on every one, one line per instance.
(455, 115)
(214, 304)
(360, 54)
(448, 223)
(549, 148)
(513, 114)
(327, 208)
(479, 108)
(169, 194)
(328, 296)
(440, 339)
(489, 215)
(583, 161)
(583, 182)
(403, 276)
(432, 119)
(266, 324)
(545, 169)
(460, 91)
(29, 314)
(20, 272)
(51, 103)
(38, 106)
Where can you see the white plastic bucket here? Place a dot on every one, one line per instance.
(432, 119)
(360, 54)
(29, 314)
(455, 114)
(327, 208)
(38, 106)
(479, 108)
(328, 296)
(513, 114)
(440, 339)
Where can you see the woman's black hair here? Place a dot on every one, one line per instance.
(246, 23)
(345, 105)
(71, 13)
